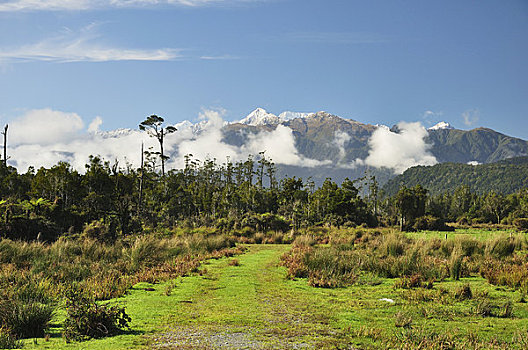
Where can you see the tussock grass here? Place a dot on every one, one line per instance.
(35, 276)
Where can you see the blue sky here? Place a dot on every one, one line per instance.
(373, 61)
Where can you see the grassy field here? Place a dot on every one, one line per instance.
(247, 302)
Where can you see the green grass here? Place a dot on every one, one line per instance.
(480, 234)
(255, 303)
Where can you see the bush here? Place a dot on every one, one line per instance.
(521, 223)
(99, 231)
(464, 292)
(431, 223)
(25, 320)
(394, 245)
(414, 281)
(500, 247)
(402, 320)
(455, 263)
(329, 268)
(486, 309)
(8, 340)
(86, 319)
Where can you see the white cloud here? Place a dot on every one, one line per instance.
(82, 47)
(45, 137)
(341, 138)
(278, 144)
(81, 5)
(471, 116)
(44, 127)
(221, 57)
(399, 151)
(95, 124)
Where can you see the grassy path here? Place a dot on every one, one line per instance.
(251, 305)
(245, 306)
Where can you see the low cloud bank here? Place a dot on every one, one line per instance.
(399, 151)
(44, 137)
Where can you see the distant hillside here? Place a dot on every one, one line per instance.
(342, 141)
(482, 145)
(506, 176)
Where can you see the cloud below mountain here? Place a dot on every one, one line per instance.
(44, 137)
(399, 151)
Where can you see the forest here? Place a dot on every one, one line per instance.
(56, 201)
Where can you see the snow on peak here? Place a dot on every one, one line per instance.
(382, 126)
(262, 117)
(288, 115)
(441, 126)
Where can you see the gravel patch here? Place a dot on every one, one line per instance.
(191, 338)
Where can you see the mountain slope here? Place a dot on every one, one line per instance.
(482, 145)
(342, 145)
(506, 176)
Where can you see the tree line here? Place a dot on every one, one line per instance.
(232, 196)
(109, 199)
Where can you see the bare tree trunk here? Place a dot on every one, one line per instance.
(162, 155)
(5, 144)
(141, 182)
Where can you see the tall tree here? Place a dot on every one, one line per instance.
(5, 143)
(154, 126)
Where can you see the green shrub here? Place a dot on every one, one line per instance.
(8, 340)
(86, 319)
(394, 245)
(432, 223)
(25, 319)
(484, 308)
(455, 263)
(463, 292)
(521, 223)
(500, 247)
(402, 319)
(99, 231)
(409, 282)
(329, 268)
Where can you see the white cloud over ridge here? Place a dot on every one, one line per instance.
(45, 137)
(399, 151)
(82, 47)
(83, 5)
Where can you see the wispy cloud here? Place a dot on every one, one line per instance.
(83, 47)
(81, 5)
(220, 57)
(471, 116)
(336, 37)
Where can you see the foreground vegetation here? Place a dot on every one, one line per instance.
(330, 288)
(38, 279)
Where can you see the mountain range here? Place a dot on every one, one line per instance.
(344, 143)
(338, 147)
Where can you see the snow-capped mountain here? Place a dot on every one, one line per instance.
(288, 115)
(441, 126)
(262, 117)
